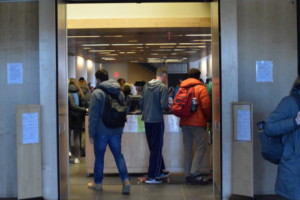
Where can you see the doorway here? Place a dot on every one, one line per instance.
(107, 59)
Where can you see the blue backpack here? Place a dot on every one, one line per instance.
(272, 146)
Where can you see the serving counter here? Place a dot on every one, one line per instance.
(135, 148)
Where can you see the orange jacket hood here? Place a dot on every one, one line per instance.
(190, 82)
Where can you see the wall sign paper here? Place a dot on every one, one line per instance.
(30, 127)
(14, 73)
(264, 71)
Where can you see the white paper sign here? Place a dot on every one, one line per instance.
(264, 71)
(243, 125)
(30, 125)
(171, 124)
(14, 73)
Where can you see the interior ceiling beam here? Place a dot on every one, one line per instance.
(139, 23)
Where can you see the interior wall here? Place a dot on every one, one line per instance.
(267, 30)
(19, 44)
(137, 72)
(48, 98)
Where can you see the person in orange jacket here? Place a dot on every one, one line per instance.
(194, 131)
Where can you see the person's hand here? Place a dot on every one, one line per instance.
(91, 140)
(298, 118)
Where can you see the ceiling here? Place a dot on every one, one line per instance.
(140, 45)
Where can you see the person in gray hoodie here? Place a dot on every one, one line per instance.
(101, 136)
(153, 101)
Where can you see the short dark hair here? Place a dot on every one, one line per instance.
(194, 73)
(102, 75)
(161, 71)
(81, 79)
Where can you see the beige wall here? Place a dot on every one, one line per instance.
(137, 72)
(19, 44)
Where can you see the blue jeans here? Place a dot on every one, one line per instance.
(114, 143)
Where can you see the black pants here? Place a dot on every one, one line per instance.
(155, 136)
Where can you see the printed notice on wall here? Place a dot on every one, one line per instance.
(14, 73)
(264, 71)
(243, 125)
(30, 127)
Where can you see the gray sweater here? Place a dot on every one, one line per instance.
(96, 125)
(154, 99)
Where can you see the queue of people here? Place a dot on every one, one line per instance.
(154, 101)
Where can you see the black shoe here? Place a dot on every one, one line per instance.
(188, 179)
(199, 180)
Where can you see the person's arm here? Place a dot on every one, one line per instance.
(205, 103)
(73, 106)
(164, 101)
(95, 112)
(142, 100)
(283, 119)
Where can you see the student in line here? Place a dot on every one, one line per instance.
(153, 101)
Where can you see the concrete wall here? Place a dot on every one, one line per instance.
(19, 44)
(267, 30)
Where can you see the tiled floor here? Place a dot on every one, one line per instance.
(175, 190)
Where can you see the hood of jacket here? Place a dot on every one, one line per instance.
(154, 83)
(295, 90)
(73, 88)
(190, 82)
(111, 86)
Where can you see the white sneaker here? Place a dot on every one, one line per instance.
(76, 161)
(70, 154)
(153, 181)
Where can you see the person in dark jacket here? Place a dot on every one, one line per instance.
(153, 101)
(86, 91)
(77, 110)
(285, 121)
(101, 136)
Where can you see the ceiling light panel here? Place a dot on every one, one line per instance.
(84, 36)
(96, 45)
(160, 44)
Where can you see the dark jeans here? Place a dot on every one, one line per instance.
(114, 143)
(155, 136)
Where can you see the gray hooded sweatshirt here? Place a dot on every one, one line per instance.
(96, 108)
(154, 100)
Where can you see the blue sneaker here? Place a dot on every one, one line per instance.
(153, 181)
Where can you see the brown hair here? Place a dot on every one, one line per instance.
(74, 82)
(194, 73)
(161, 71)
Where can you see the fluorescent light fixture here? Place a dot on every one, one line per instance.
(138, 44)
(166, 47)
(114, 36)
(87, 48)
(190, 47)
(160, 44)
(179, 49)
(102, 51)
(197, 35)
(95, 45)
(131, 52)
(191, 43)
(84, 36)
(154, 54)
(204, 40)
(108, 58)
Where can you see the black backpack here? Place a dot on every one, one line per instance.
(272, 146)
(114, 112)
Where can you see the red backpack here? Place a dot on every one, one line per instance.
(182, 104)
